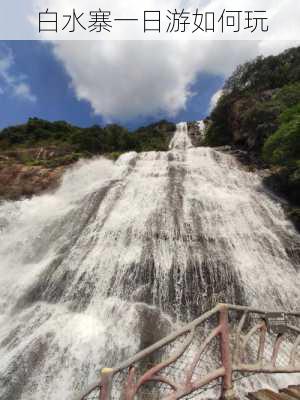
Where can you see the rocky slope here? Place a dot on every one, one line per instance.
(31, 171)
(33, 156)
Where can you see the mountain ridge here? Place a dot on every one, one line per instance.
(34, 156)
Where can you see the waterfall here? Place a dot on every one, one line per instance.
(123, 252)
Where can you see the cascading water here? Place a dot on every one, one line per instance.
(88, 271)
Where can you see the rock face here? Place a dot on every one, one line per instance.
(31, 171)
(241, 119)
(19, 180)
(197, 131)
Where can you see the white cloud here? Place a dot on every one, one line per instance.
(125, 79)
(23, 90)
(12, 83)
(270, 47)
(214, 100)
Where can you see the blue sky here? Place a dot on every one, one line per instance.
(51, 94)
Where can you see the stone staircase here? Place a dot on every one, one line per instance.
(290, 393)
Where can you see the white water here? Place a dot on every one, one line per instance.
(178, 230)
(202, 130)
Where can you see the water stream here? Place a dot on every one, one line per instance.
(123, 252)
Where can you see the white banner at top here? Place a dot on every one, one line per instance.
(150, 20)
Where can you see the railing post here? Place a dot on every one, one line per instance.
(228, 392)
(130, 387)
(106, 381)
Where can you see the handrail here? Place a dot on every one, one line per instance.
(149, 350)
(229, 363)
(254, 310)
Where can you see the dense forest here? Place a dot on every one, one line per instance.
(111, 140)
(259, 111)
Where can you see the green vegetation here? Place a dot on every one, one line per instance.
(283, 147)
(260, 112)
(33, 156)
(111, 139)
(254, 98)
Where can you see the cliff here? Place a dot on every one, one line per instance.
(29, 171)
(259, 115)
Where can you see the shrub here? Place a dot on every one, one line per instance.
(283, 147)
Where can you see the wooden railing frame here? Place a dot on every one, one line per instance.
(232, 360)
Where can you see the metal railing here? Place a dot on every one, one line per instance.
(246, 340)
